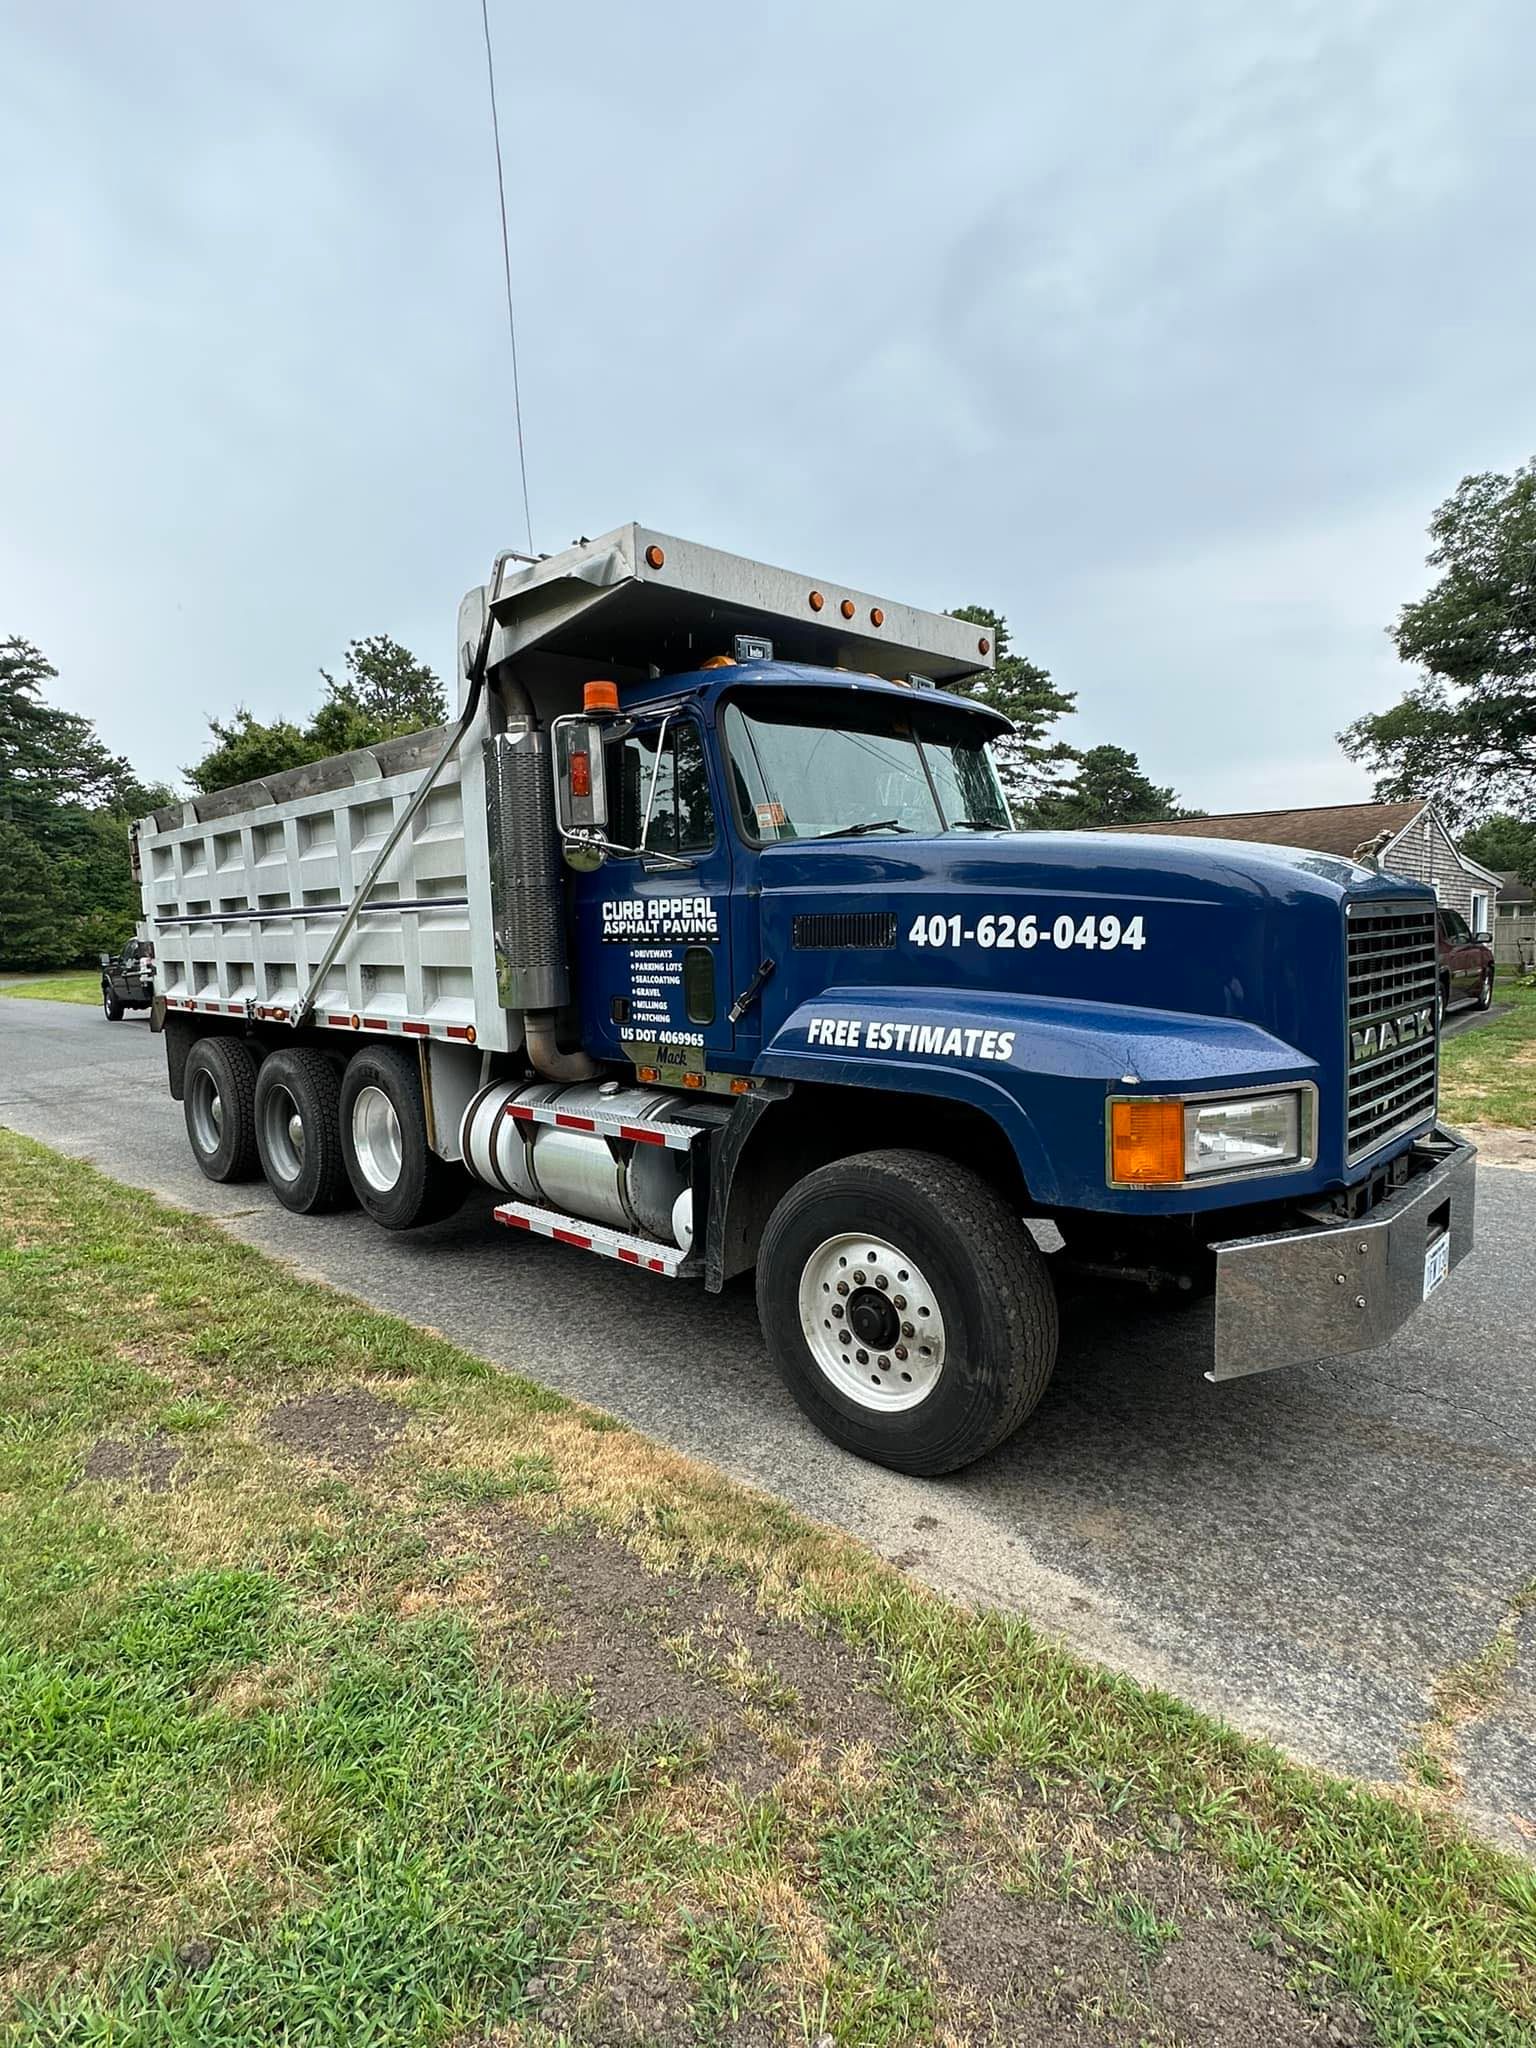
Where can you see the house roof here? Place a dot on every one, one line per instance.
(1329, 828)
(1513, 890)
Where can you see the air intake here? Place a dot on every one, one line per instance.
(845, 931)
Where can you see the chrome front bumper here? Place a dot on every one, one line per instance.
(1327, 1289)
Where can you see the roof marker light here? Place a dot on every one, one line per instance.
(655, 557)
(847, 607)
(983, 645)
(876, 616)
(816, 600)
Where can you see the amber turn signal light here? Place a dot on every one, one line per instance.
(1146, 1143)
(598, 697)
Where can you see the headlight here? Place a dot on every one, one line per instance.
(1170, 1140)
(1238, 1135)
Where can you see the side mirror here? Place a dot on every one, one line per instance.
(106, 959)
(581, 790)
(1483, 938)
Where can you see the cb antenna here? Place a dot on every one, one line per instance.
(506, 267)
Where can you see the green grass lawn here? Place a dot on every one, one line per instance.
(1488, 1074)
(351, 1691)
(78, 985)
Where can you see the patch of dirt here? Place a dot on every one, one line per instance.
(1060, 1974)
(629, 1998)
(1499, 1145)
(150, 1463)
(351, 1430)
(661, 1647)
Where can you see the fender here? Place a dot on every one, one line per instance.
(1039, 1066)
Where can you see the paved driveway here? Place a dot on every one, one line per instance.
(1301, 1553)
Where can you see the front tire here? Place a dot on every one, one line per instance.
(218, 1101)
(1485, 990)
(298, 1131)
(908, 1309)
(395, 1174)
(112, 1009)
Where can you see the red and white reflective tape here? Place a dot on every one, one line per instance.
(277, 1013)
(592, 1237)
(676, 1137)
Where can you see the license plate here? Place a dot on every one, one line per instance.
(1437, 1263)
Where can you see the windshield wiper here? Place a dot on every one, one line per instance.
(869, 825)
(977, 825)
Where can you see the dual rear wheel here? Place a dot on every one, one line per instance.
(323, 1133)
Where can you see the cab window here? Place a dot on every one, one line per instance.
(682, 816)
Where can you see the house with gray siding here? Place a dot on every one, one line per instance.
(1401, 839)
(1514, 929)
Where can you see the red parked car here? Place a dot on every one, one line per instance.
(1466, 964)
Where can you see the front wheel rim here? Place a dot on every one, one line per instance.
(376, 1140)
(872, 1323)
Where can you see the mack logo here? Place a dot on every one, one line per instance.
(1388, 1033)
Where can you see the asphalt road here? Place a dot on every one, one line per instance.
(1301, 1553)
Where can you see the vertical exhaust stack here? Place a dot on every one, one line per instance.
(532, 972)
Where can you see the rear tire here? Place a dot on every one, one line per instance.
(298, 1131)
(111, 1007)
(894, 1247)
(395, 1174)
(219, 1103)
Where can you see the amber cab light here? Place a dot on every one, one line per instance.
(655, 557)
(876, 616)
(1146, 1143)
(598, 697)
(847, 607)
(816, 600)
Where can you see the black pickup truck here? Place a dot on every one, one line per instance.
(128, 979)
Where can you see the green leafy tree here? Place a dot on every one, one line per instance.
(1504, 843)
(245, 750)
(1031, 764)
(1109, 789)
(384, 692)
(66, 884)
(1466, 734)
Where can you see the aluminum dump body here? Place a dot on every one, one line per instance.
(243, 890)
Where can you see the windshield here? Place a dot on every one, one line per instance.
(806, 765)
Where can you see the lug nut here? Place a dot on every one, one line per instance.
(842, 1285)
(837, 1310)
(859, 1279)
(901, 1350)
(862, 1357)
(883, 1362)
(907, 1330)
(881, 1282)
(899, 1300)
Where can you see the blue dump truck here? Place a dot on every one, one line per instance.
(704, 940)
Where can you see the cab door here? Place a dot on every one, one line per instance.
(652, 928)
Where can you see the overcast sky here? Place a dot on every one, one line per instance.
(1162, 328)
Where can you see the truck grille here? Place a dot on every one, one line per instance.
(1390, 1040)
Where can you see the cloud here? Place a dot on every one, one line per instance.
(1162, 330)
